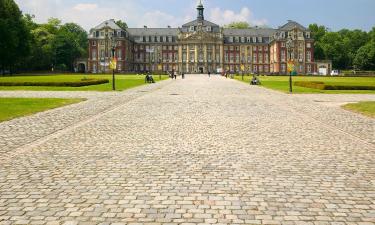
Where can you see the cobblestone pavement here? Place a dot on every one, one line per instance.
(194, 151)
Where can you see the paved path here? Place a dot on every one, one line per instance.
(194, 151)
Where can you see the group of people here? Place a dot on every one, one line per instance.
(173, 75)
(149, 79)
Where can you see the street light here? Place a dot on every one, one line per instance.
(113, 63)
(290, 46)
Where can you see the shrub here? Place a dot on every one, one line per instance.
(81, 83)
(310, 84)
(322, 86)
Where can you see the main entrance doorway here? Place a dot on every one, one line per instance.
(200, 69)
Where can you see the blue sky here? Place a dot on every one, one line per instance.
(335, 14)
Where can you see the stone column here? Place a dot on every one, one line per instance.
(205, 58)
(213, 58)
(222, 56)
(196, 58)
(180, 58)
(188, 58)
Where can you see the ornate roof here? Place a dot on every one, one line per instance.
(197, 21)
(291, 25)
(153, 31)
(108, 23)
(257, 32)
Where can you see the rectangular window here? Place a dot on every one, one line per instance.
(94, 54)
(283, 56)
(260, 58)
(283, 44)
(192, 56)
(231, 57)
(308, 56)
(119, 54)
(255, 58)
(309, 68)
(300, 56)
(254, 39)
(94, 43)
(283, 68)
(308, 45)
(266, 58)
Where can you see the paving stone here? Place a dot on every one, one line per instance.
(193, 151)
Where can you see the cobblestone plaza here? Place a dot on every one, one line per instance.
(195, 151)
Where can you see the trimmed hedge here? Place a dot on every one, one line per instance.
(310, 84)
(81, 83)
(322, 86)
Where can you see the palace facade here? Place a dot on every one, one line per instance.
(201, 46)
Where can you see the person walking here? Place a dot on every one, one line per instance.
(209, 74)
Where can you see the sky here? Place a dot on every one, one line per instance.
(334, 14)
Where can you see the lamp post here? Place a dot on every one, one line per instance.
(159, 62)
(113, 64)
(290, 46)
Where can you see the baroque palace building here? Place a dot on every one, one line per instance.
(201, 46)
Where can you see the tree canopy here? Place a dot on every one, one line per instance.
(27, 45)
(238, 25)
(14, 35)
(122, 24)
(347, 49)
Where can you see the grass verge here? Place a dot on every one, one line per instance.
(123, 82)
(11, 108)
(365, 108)
(281, 83)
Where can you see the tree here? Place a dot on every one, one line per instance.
(69, 44)
(238, 25)
(14, 35)
(317, 33)
(122, 24)
(365, 57)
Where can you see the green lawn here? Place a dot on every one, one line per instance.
(11, 108)
(281, 83)
(365, 108)
(123, 82)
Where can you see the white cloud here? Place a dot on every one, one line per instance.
(85, 7)
(223, 17)
(89, 15)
